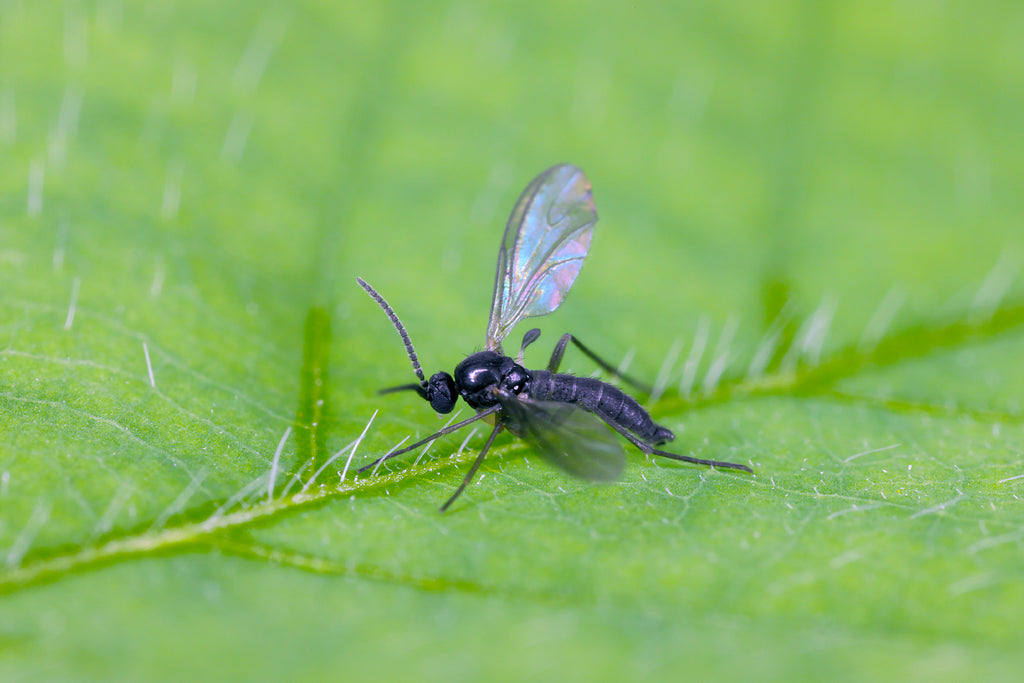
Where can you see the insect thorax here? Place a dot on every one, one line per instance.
(481, 377)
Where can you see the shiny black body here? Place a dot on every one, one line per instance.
(564, 418)
(601, 398)
(478, 377)
(544, 407)
(548, 409)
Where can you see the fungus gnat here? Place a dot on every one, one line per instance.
(559, 415)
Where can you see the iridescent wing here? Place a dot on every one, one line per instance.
(566, 436)
(546, 239)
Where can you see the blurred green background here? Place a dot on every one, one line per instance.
(810, 237)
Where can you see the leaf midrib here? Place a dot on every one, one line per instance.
(47, 565)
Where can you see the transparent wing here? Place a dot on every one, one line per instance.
(566, 436)
(546, 239)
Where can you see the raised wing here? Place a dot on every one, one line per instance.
(566, 436)
(546, 239)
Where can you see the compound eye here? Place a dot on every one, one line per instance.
(441, 392)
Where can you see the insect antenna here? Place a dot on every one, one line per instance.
(405, 339)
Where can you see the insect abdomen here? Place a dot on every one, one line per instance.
(602, 399)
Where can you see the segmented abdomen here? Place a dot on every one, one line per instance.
(604, 400)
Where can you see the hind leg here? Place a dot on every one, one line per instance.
(651, 450)
(556, 360)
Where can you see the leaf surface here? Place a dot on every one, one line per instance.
(809, 243)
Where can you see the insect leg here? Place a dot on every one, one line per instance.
(651, 450)
(447, 430)
(556, 360)
(474, 468)
(556, 355)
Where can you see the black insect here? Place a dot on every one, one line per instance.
(546, 239)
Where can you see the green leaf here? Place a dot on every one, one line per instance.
(809, 242)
